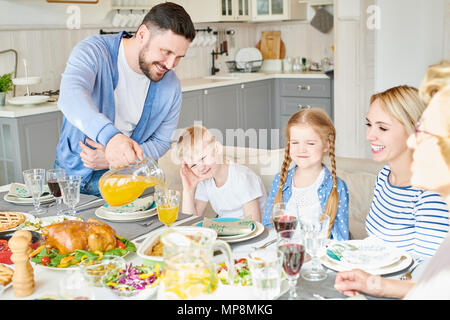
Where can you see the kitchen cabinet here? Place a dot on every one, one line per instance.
(27, 142)
(268, 10)
(217, 10)
(238, 115)
(295, 94)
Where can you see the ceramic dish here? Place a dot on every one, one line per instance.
(148, 243)
(361, 254)
(245, 55)
(36, 224)
(26, 201)
(230, 237)
(26, 81)
(28, 100)
(258, 230)
(402, 263)
(125, 217)
(28, 217)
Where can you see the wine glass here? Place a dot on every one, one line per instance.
(282, 218)
(315, 232)
(167, 204)
(35, 180)
(290, 243)
(52, 180)
(70, 189)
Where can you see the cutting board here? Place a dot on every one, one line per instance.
(282, 48)
(270, 45)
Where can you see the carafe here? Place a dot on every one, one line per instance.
(189, 268)
(121, 186)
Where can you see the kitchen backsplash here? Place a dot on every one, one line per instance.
(47, 50)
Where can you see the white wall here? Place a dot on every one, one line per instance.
(411, 38)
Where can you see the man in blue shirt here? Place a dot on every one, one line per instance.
(120, 99)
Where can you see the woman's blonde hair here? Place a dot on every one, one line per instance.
(192, 138)
(403, 104)
(444, 105)
(321, 123)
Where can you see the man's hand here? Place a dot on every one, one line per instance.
(93, 159)
(121, 151)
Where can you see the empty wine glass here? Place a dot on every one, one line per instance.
(34, 180)
(52, 180)
(315, 232)
(70, 189)
(290, 243)
(282, 218)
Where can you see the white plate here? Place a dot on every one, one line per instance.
(45, 221)
(245, 55)
(129, 216)
(258, 230)
(27, 202)
(26, 81)
(230, 237)
(28, 100)
(403, 263)
(27, 217)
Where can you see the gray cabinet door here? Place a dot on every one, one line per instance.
(191, 109)
(289, 105)
(256, 104)
(221, 112)
(26, 143)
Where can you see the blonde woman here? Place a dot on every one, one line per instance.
(431, 171)
(309, 184)
(233, 190)
(405, 216)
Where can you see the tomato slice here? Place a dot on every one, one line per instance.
(45, 260)
(120, 244)
(4, 246)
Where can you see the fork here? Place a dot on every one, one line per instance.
(146, 224)
(266, 244)
(408, 275)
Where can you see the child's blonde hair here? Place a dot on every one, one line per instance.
(321, 123)
(192, 138)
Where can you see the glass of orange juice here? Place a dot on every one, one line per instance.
(167, 204)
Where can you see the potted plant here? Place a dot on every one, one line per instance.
(6, 85)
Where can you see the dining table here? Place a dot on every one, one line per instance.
(48, 280)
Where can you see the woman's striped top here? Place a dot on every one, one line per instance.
(411, 219)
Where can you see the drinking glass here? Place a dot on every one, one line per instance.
(35, 180)
(70, 189)
(167, 204)
(282, 218)
(290, 243)
(265, 268)
(75, 287)
(315, 233)
(52, 180)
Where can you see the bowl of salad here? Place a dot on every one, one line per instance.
(133, 281)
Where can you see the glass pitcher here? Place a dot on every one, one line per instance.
(189, 268)
(121, 186)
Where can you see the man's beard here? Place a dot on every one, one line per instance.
(146, 68)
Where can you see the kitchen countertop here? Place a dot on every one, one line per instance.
(187, 85)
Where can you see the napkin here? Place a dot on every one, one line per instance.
(20, 190)
(229, 228)
(140, 204)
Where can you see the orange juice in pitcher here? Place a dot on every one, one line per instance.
(122, 186)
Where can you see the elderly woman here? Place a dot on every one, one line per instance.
(431, 171)
(403, 215)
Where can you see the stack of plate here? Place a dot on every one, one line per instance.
(373, 257)
(127, 213)
(255, 231)
(27, 201)
(248, 55)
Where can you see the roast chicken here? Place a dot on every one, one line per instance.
(69, 235)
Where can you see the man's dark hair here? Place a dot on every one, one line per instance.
(170, 16)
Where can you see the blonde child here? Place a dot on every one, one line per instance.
(233, 190)
(309, 186)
